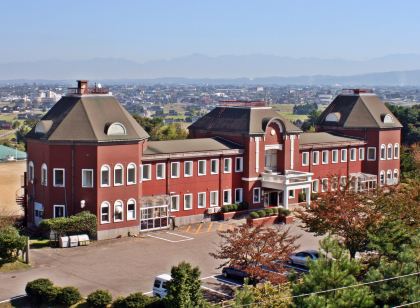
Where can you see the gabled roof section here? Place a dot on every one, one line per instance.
(87, 118)
(364, 110)
(240, 120)
(324, 139)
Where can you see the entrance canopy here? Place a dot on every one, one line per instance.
(363, 181)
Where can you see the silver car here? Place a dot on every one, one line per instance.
(302, 258)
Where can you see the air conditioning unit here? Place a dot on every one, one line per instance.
(213, 210)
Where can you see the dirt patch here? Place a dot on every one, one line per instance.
(11, 174)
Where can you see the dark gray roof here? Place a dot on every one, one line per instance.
(241, 120)
(326, 138)
(189, 145)
(86, 118)
(358, 111)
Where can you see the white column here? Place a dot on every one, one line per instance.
(292, 151)
(257, 154)
(286, 199)
(308, 196)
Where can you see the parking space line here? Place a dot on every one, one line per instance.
(171, 241)
(210, 226)
(198, 229)
(180, 235)
(228, 282)
(215, 291)
(188, 228)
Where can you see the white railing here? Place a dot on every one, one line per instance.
(291, 177)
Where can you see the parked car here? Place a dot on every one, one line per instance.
(302, 258)
(237, 274)
(160, 286)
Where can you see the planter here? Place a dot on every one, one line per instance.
(269, 220)
(229, 215)
(287, 219)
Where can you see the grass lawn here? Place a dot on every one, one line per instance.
(8, 117)
(180, 108)
(15, 266)
(293, 117)
(39, 243)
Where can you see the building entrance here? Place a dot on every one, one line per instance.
(154, 213)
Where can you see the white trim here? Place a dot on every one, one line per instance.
(64, 177)
(390, 150)
(324, 153)
(241, 164)
(189, 163)
(204, 199)
(59, 205)
(382, 173)
(217, 166)
(177, 203)
(334, 161)
(292, 151)
(216, 193)
(291, 193)
(44, 180)
(229, 191)
(105, 204)
(313, 158)
(191, 201)
(135, 209)
(251, 179)
(120, 167)
(344, 158)
(122, 211)
(322, 184)
(383, 151)
(362, 151)
(374, 154)
(31, 171)
(353, 150)
(257, 154)
(163, 165)
(229, 165)
(135, 173)
(178, 164)
(317, 186)
(305, 154)
(241, 195)
(205, 167)
(83, 178)
(396, 147)
(149, 167)
(255, 189)
(109, 175)
(273, 147)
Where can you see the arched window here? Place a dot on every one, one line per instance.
(396, 173)
(333, 117)
(131, 209)
(131, 174)
(382, 178)
(396, 151)
(116, 129)
(388, 119)
(389, 177)
(31, 171)
(118, 211)
(118, 175)
(105, 210)
(105, 176)
(389, 156)
(383, 151)
(44, 175)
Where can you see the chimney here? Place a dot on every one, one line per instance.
(82, 86)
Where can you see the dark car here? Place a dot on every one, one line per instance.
(237, 274)
(302, 258)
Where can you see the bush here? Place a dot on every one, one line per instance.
(314, 196)
(224, 209)
(275, 211)
(99, 299)
(254, 215)
(68, 296)
(284, 212)
(268, 212)
(235, 207)
(261, 213)
(10, 244)
(83, 222)
(135, 300)
(40, 290)
(301, 197)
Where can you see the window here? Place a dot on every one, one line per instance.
(214, 198)
(131, 209)
(227, 196)
(382, 178)
(324, 157)
(315, 157)
(131, 174)
(175, 170)
(58, 178)
(324, 185)
(202, 167)
(395, 176)
(118, 211)
(201, 200)
(396, 151)
(239, 195)
(105, 212)
(389, 177)
(87, 178)
(239, 164)
(59, 211)
(353, 154)
(44, 175)
(334, 183)
(343, 182)
(256, 195)
(118, 175)
(188, 168)
(334, 159)
(105, 176)
(146, 172)
(187, 201)
(214, 166)
(291, 194)
(305, 158)
(160, 171)
(174, 203)
(383, 152)
(371, 153)
(315, 186)
(31, 171)
(343, 155)
(361, 153)
(227, 165)
(390, 151)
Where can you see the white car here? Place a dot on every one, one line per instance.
(160, 286)
(302, 258)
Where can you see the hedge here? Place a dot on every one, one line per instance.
(83, 222)
(10, 244)
(99, 299)
(68, 296)
(41, 291)
(234, 207)
(254, 215)
(137, 300)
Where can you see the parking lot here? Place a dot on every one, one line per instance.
(130, 264)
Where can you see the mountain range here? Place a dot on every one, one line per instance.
(399, 69)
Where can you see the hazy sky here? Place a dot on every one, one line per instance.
(155, 29)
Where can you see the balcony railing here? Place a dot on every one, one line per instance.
(291, 177)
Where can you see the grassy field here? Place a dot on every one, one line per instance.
(8, 117)
(15, 266)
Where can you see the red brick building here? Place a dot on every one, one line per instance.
(88, 153)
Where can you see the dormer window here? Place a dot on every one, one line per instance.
(116, 129)
(333, 117)
(388, 119)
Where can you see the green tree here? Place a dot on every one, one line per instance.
(15, 124)
(244, 297)
(184, 290)
(309, 124)
(334, 269)
(11, 242)
(409, 166)
(410, 119)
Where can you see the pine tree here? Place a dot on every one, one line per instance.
(334, 269)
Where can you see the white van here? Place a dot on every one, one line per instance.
(160, 285)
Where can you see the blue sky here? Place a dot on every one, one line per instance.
(155, 29)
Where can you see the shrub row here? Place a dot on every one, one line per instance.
(234, 207)
(83, 222)
(302, 196)
(269, 212)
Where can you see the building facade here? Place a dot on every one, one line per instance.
(88, 153)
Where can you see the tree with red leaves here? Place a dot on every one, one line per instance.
(259, 251)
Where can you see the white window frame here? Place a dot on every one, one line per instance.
(176, 197)
(201, 206)
(353, 154)
(106, 204)
(322, 185)
(324, 154)
(132, 166)
(334, 153)
(382, 181)
(291, 193)
(114, 211)
(191, 202)
(241, 194)
(390, 150)
(315, 154)
(61, 206)
(396, 151)
(315, 184)
(239, 164)
(149, 176)
(118, 167)
(334, 183)
(83, 178)
(343, 182)
(177, 164)
(44, 179)
(64, 177)
(361, 153)
(135, 209)
(214, 193)
(305, 158)
(344, 157)
(217, 166)
(369, 149)
(228, 170)
(163, 166)
(31, 171)
(389, 176)
(201, 161)
(256, 192)
(229, 195)
(191, 164)
(383, 152)
(396, 175)
(106, 168)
